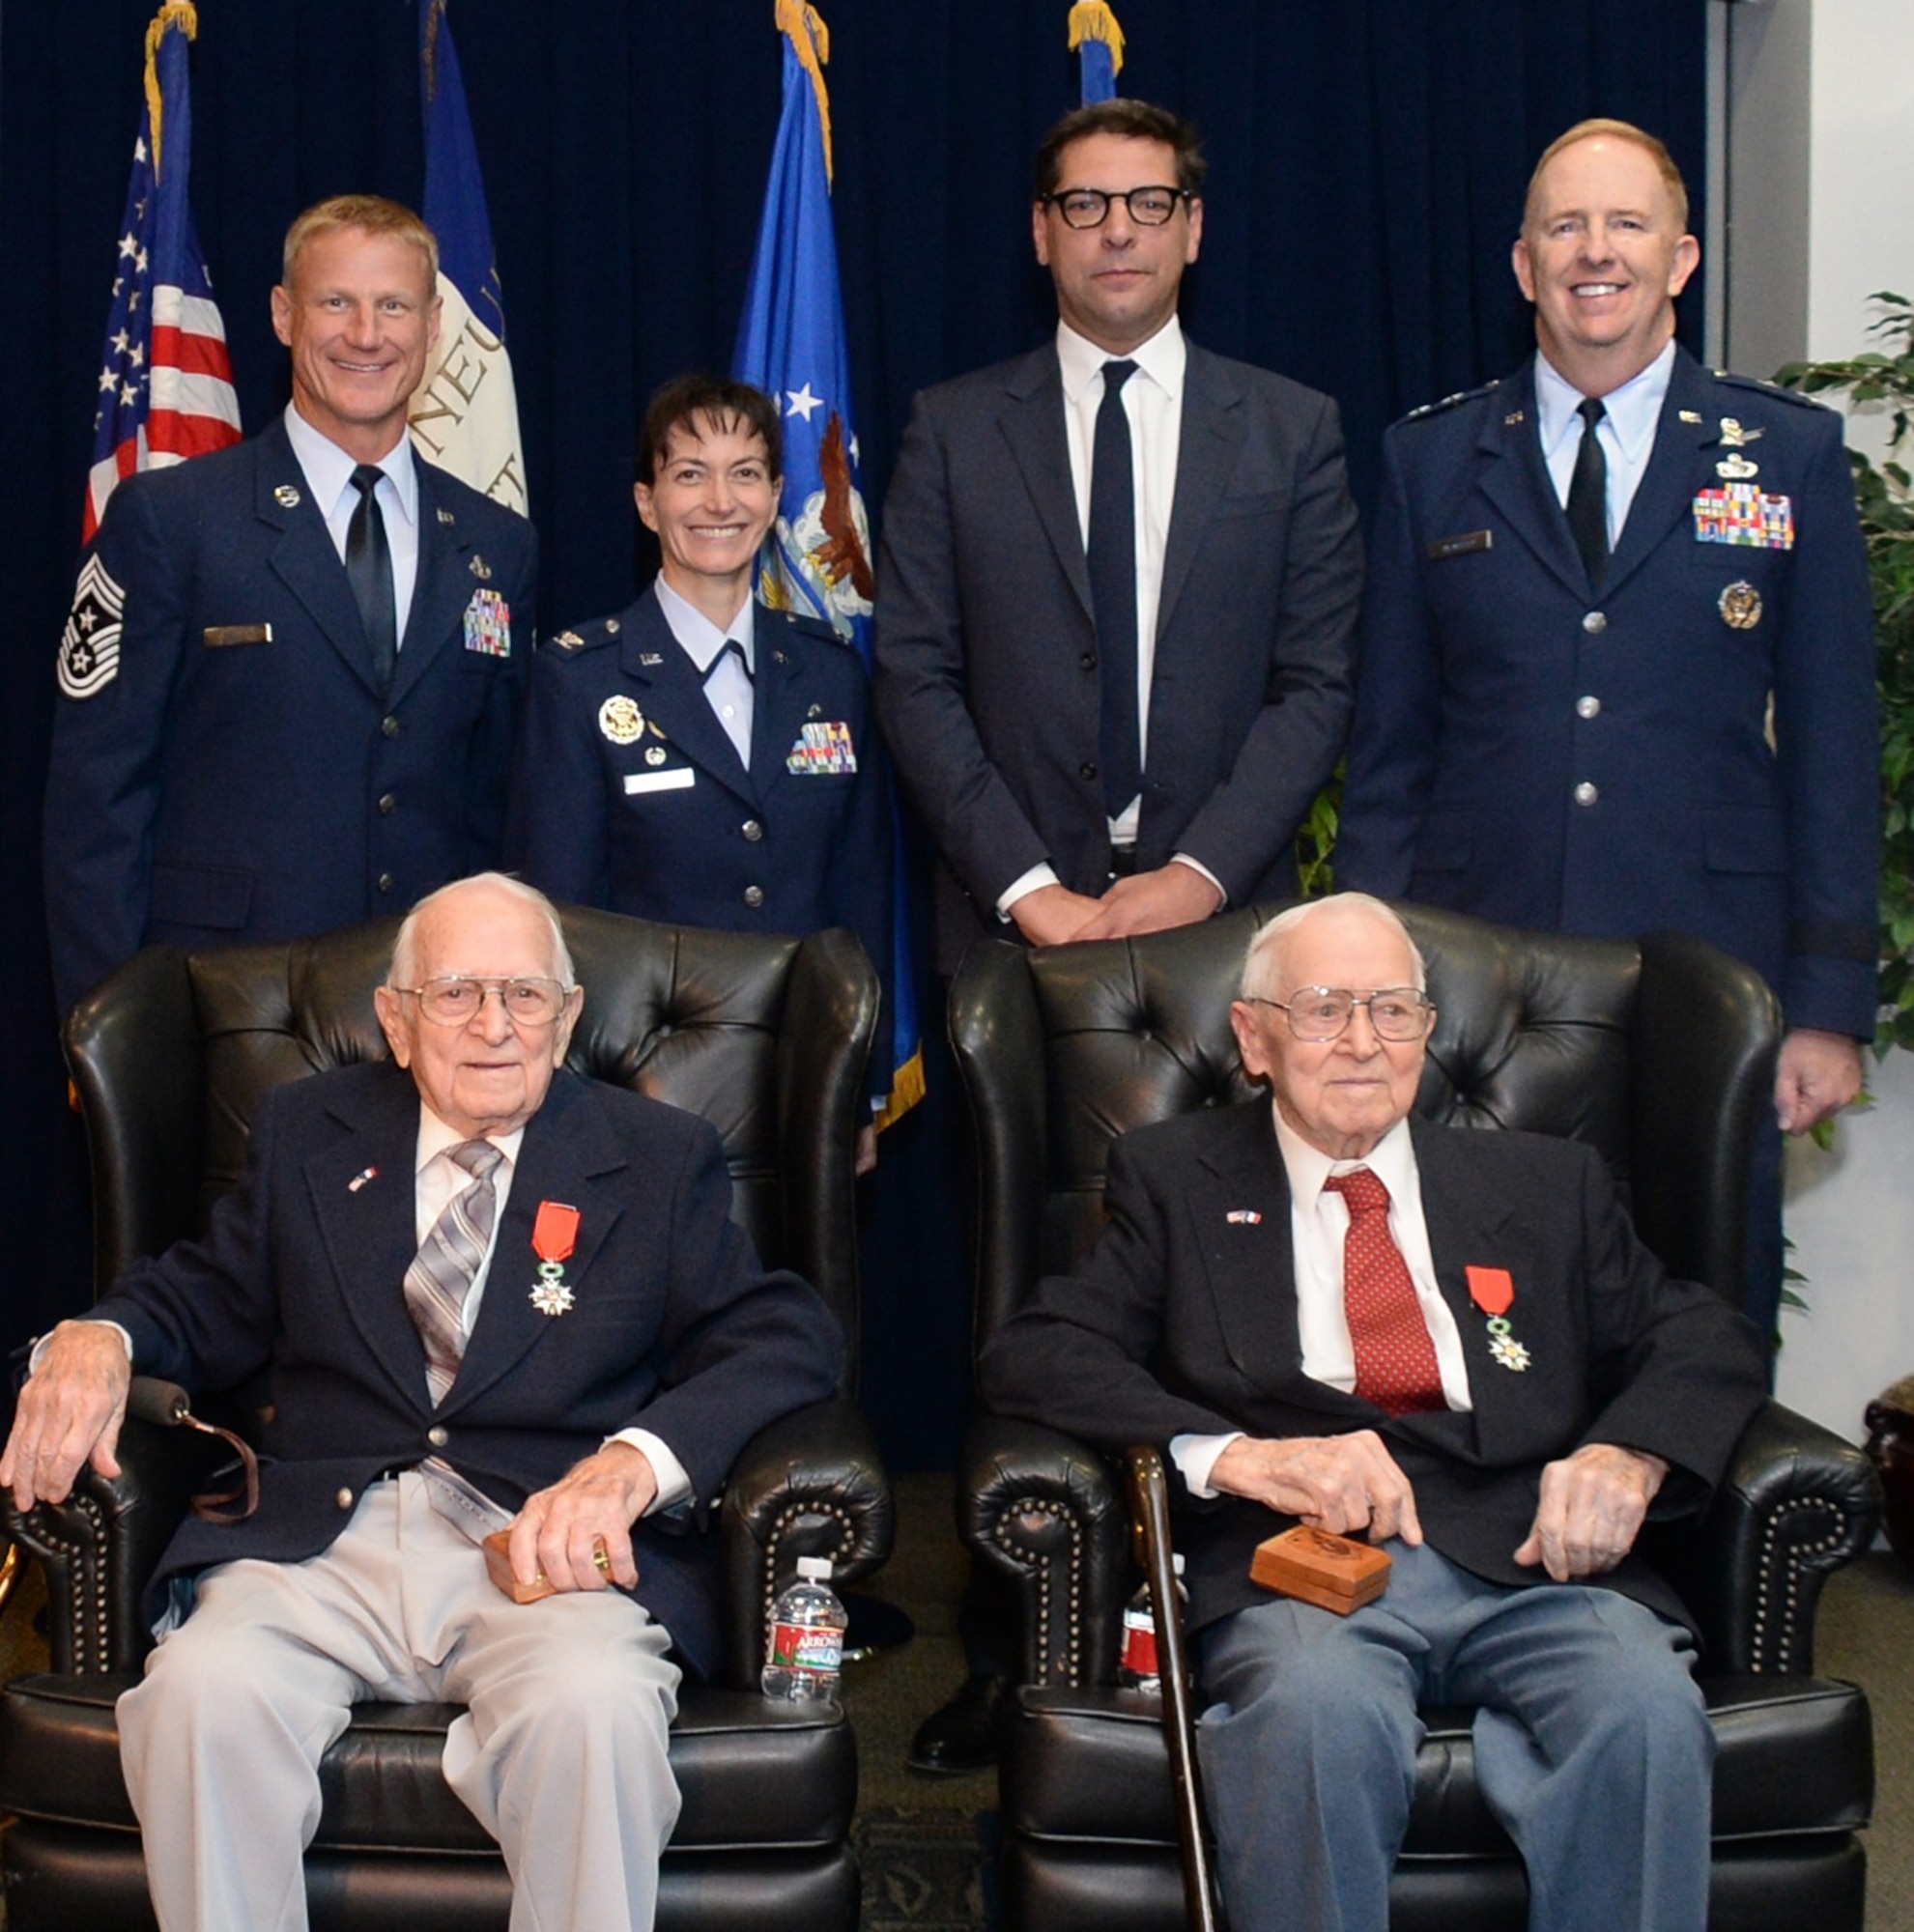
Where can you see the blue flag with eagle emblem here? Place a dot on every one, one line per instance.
(792, 345)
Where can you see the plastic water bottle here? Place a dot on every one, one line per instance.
(804, 1648)
(1138, 1668)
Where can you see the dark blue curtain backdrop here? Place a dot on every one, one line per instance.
(1368, 158)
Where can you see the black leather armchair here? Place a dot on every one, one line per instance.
(767, 1039)
(1659, 1053)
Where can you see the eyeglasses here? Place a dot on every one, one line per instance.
(1319, 1013)
(456, 1000)
(1090, 207)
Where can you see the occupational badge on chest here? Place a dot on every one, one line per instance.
(620, 720)
(1740, 606)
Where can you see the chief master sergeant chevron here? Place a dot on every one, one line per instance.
(287, 705)
(1618, 659)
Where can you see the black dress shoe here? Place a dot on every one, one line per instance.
(966, 1735)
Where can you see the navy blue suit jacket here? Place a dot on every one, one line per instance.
(671, 825)
(1182, 1320)
(675, 1327)
(1533, 752)
(221, 786)
(988, 683)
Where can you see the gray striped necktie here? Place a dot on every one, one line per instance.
(447, 1264)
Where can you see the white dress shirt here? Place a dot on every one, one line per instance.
(729, 689)
(438, 1177)
(1627, 432)
(1153, 401)
(328, 475)
(1319, 1226)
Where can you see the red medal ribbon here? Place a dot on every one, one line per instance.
(1491, 1290)
(554, 1233)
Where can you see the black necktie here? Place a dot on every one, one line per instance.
(1112, 557)
(369, 571)
(1588, 495)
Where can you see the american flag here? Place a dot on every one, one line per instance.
(166, 379)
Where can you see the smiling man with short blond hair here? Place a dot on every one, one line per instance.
(1618, 659)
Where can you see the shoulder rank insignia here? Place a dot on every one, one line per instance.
(90, 644)
(1437, 408)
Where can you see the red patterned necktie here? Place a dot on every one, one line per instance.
(1395, 1359)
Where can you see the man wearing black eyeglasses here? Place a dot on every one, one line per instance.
(490, 1295)
(1118, 584)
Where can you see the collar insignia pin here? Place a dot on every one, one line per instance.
(446, 517)
(358, 1180)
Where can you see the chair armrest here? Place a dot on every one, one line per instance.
(813, 1484)
(1045, 1516)
(99, 1548)
(824, 1046)
(1796, 1504)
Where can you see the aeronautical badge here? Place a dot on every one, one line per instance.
(1744, 513)
(488, 624)
(90, 644)
(1740, 606)
(620, 720)
(822, 749)
(1734, 437)
(1492, 1291)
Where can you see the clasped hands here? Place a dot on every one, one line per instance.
(1592, 1506)
(74, 1403)
(1173, 895)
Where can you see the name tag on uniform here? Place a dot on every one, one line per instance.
(217, 636)
(680, 780)
(1466, 545)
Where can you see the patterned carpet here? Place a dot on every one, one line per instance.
(925, 1870)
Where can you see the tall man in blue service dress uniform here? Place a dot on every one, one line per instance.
(700, 759)
(291, 679)
(378, 1256)
(1116, 585)
(1619, 658)
(1449, 1341)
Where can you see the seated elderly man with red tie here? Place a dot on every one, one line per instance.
(491, 1294)
(1451, 1342)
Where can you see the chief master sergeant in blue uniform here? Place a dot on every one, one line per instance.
(1619, 662)
(700, 759)
(287, 705)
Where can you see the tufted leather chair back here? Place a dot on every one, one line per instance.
(1660, 1053)
(765, 1038)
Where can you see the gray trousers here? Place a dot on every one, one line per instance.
(1592, 1746)
(560, 1754)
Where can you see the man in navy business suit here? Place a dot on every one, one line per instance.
(286, 706)
(491, 1294)
(700, 759)
(1452, 1342)
(1669, 722)
(1113, 708)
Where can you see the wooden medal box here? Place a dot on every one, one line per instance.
(1334, 1573)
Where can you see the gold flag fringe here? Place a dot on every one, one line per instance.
(811, 39)
(1093, 20)
(185, 16)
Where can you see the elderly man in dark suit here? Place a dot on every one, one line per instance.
(290, 683)
(491, 1294)
(1449, 1341)
(1617, 669)
(1117, 586)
